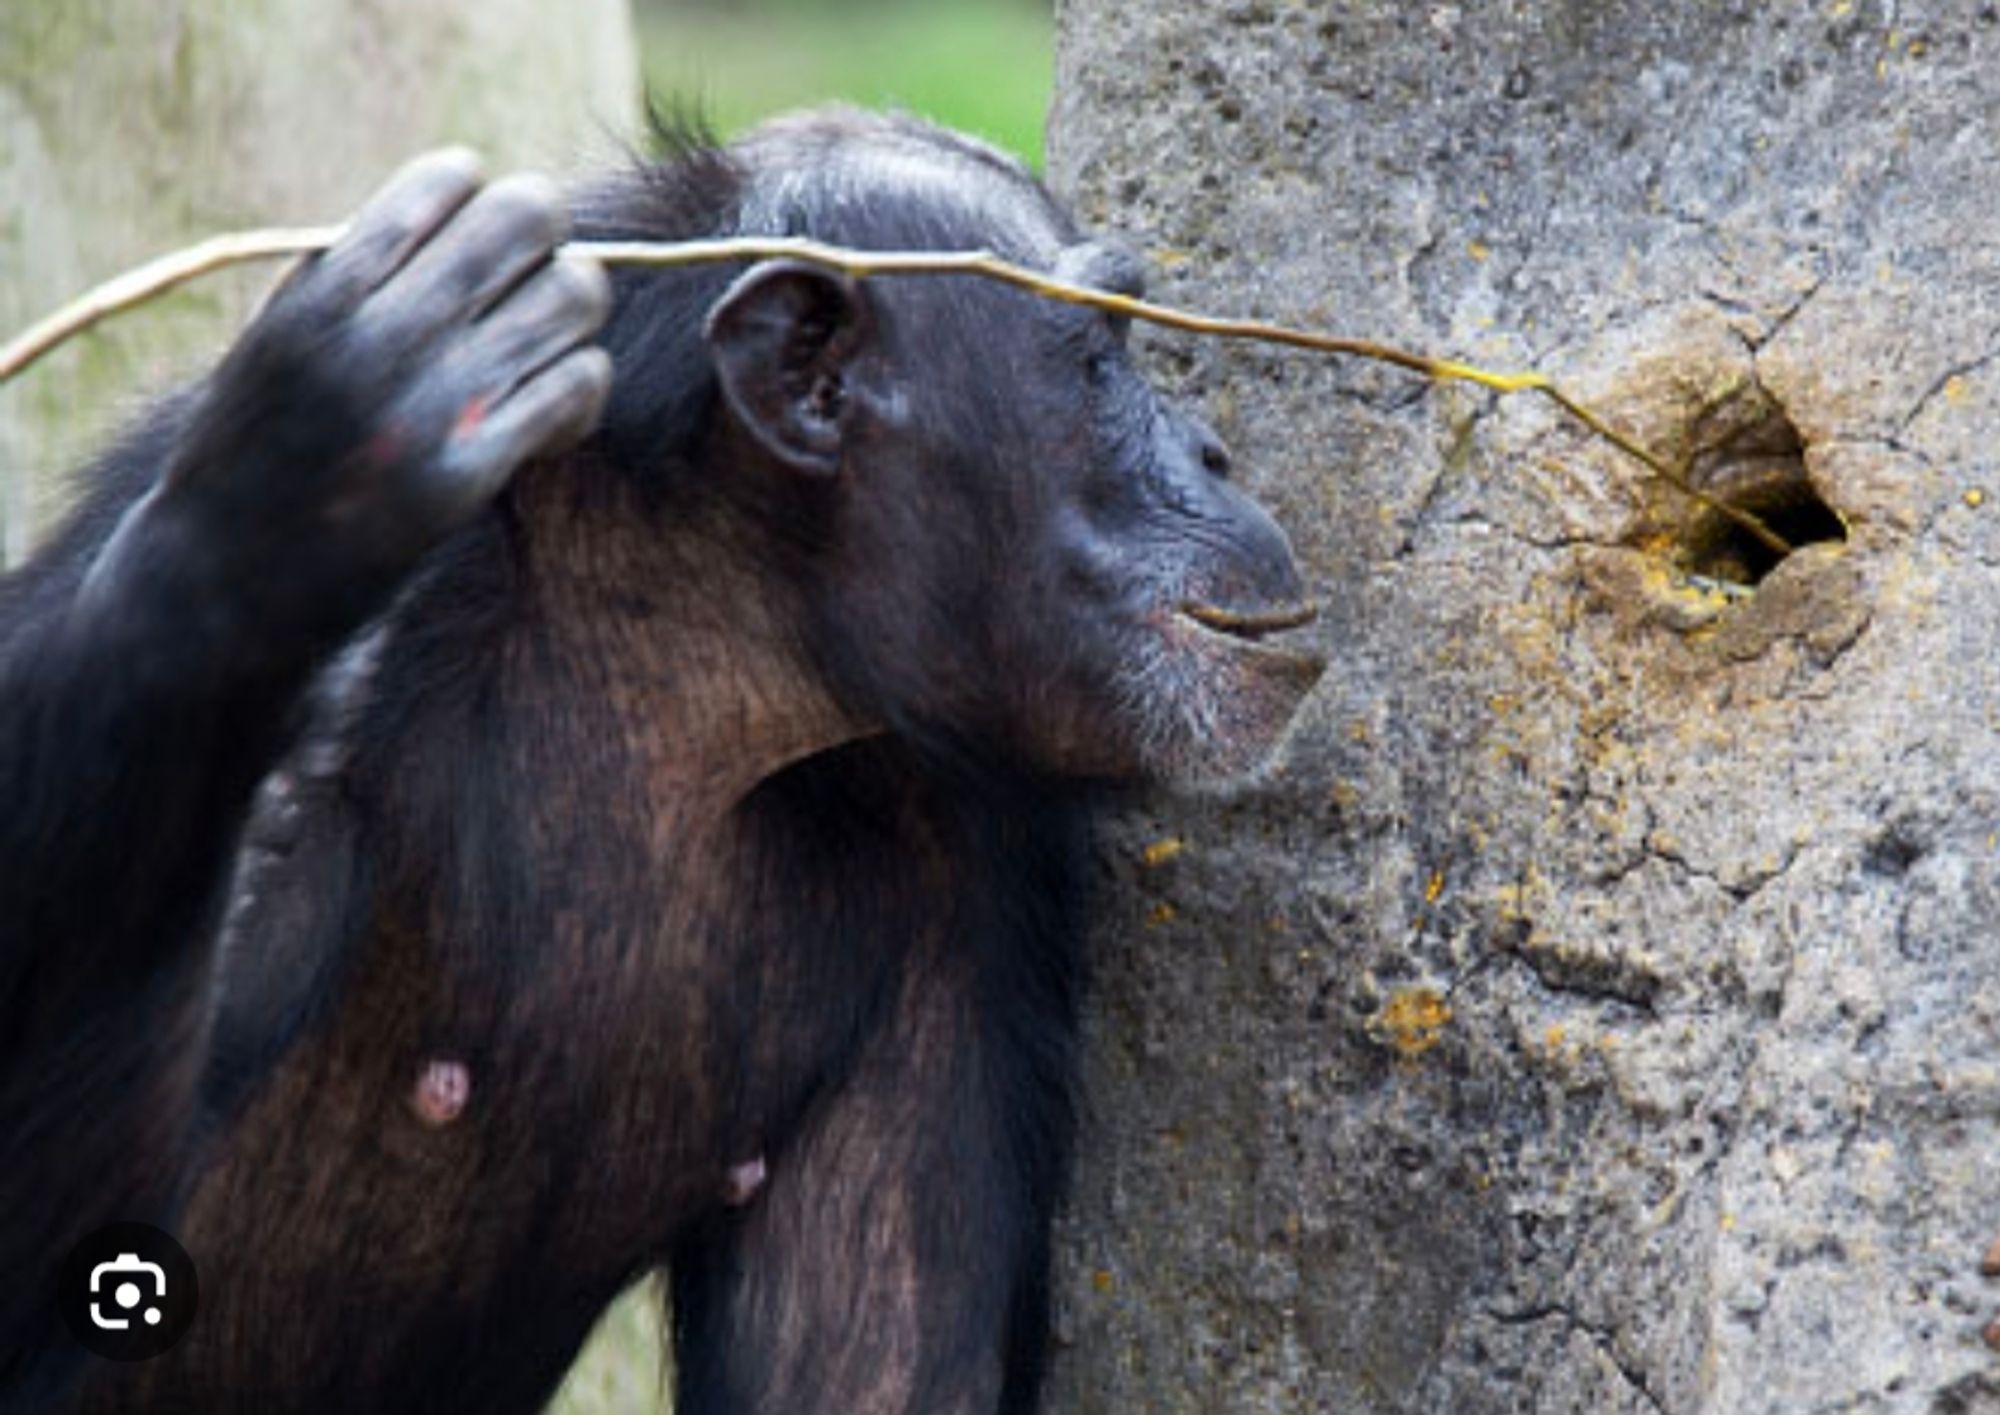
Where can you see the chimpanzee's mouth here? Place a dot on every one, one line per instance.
(1251, 625)
(1246, 635)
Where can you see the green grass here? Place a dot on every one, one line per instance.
(981, 65)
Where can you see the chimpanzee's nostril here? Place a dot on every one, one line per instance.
(1215, 459)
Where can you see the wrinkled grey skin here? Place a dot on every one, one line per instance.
(1706, 882)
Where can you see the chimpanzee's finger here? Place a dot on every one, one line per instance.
(554, 309)
(551, 411)
(511, 227)
(407, 211)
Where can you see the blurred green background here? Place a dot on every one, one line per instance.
(980, 65)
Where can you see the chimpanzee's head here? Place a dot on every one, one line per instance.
(1016, 545)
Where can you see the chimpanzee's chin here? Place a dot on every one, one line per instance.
(1270, 687)
(1213, 708)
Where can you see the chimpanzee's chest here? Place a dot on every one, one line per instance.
(514, 1106)
(586, 1099)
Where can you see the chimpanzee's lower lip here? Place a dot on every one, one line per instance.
(1242, 635)
(1250, 623)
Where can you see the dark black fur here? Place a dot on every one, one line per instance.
(134, 730)
(153, 660)
(863, 967)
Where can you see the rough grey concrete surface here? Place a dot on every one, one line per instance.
(1599, 1010)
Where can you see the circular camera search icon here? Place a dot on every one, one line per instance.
(128, 1292)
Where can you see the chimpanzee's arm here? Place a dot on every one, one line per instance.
(152, 658)
(893, 1257)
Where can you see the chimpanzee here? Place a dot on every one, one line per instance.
(685, 869)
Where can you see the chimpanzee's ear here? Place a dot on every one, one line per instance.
(783, 338)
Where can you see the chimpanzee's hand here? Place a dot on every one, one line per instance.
(392, 386)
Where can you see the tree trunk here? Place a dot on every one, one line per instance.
(130, 127)
(1600, 1011)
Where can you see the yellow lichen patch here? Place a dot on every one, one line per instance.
(1412, 1020)
(1161, 913)
(1434, 887)
(1975, 498)
(1161, 851)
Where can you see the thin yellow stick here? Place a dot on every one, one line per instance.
(157, 277)
(153, 279)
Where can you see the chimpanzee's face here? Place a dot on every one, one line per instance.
(1113, 600)
(1031, 552)
(1167, 588)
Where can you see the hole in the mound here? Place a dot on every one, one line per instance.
(1747, 453)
